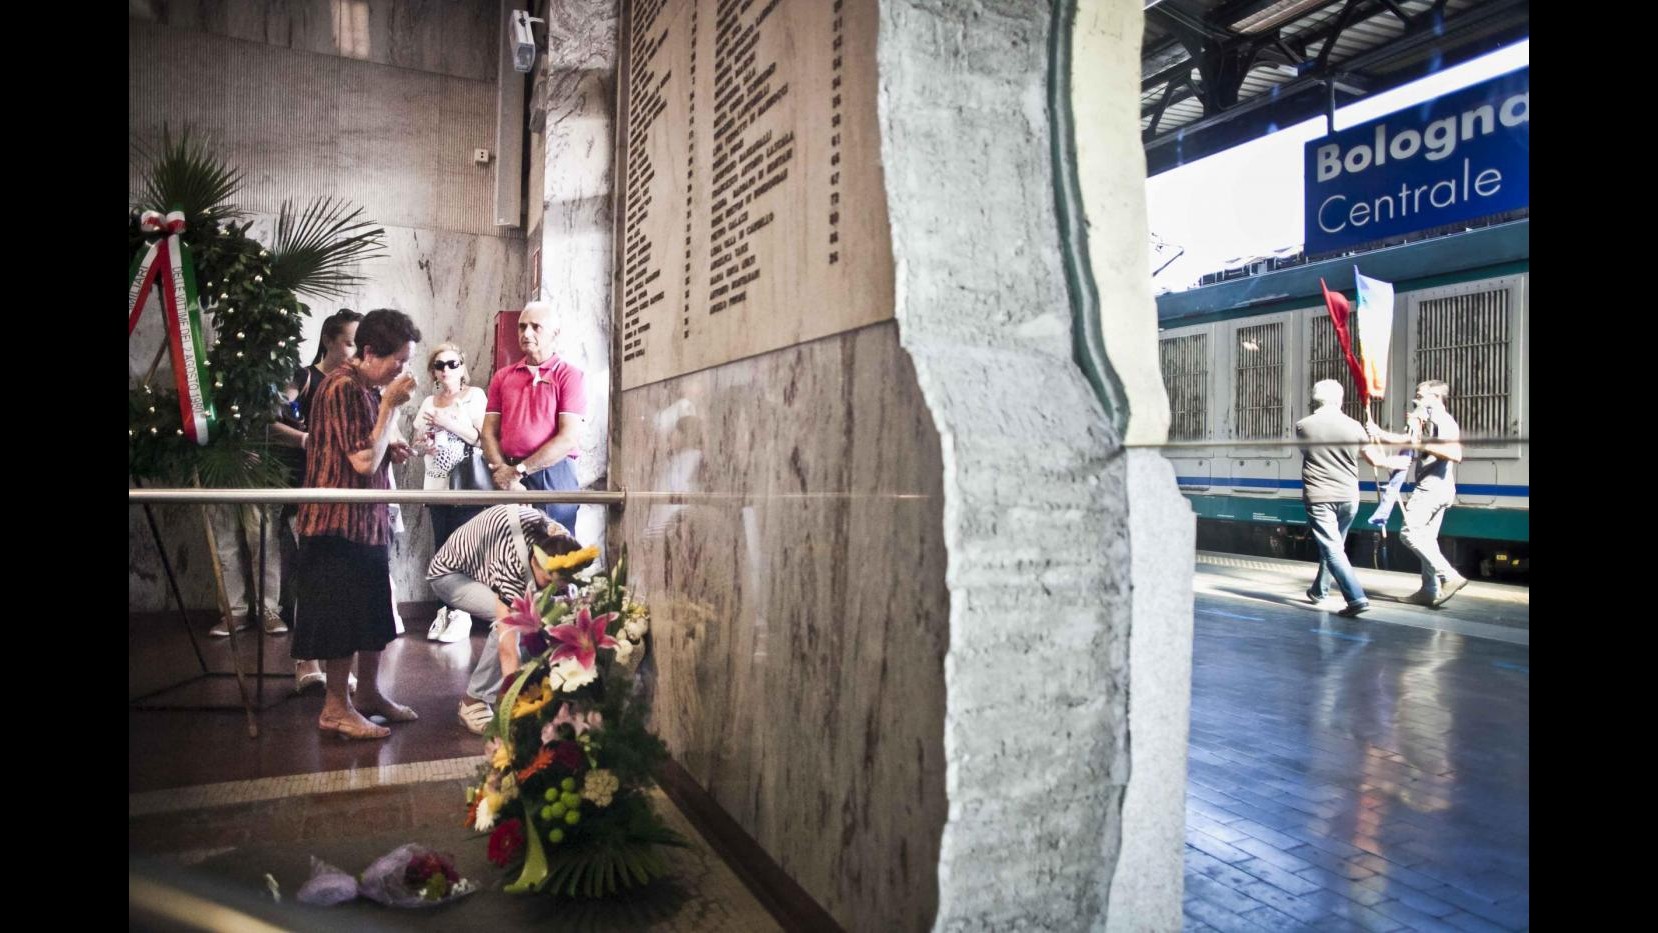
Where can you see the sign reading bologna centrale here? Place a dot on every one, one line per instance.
(1449, 159)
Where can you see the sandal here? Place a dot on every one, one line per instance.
(393, 712)
(346, 729)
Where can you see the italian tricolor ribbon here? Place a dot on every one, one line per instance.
(167, 265)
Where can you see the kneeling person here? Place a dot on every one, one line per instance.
(480, 570)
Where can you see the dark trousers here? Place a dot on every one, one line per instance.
(446, 519)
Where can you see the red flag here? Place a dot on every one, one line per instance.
(1341, 314)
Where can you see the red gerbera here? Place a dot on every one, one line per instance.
(541, 760)
(506, 842)
(568, 755)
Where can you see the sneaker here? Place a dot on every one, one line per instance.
(1420, 598)
(476, 716)
(1448, 589)
(458, 629)
(438, 622)
(274, 624)
(222, 630)
(1353, 609)
(1325, 603)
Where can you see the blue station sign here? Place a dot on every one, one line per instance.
(1452, 158)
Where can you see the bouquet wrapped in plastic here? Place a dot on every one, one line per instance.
(568, 756)
(408, 876)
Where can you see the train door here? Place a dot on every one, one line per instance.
(1261, 353)
(1186, 357)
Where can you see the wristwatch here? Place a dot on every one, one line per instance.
(521, 471)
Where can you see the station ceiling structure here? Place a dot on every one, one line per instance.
(1218, 73)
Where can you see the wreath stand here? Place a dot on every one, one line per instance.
(255, 704)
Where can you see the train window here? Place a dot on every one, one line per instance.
(1258, 402)
(1464, 340)
(1324, 361)
(1185, 365)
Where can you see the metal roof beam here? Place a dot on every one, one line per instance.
(1351, 72)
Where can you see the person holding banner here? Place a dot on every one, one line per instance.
(345, 608)
(1330, 491)
(1438, 440)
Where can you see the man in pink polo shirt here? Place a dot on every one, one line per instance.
(534, 410)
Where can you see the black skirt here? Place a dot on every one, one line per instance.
(344, 599)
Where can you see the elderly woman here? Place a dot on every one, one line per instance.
(446, 430)
(344, 609)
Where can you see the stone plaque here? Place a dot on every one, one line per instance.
(752, 213)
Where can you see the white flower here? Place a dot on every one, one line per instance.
(599, 786)
(486, 815)
(574, 675)
(636, 628)
(624, 650)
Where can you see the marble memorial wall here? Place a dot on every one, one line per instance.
(754, 217)
(799, 601)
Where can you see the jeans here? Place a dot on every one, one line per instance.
(459, 591)
(560, 476)
(1422, 516)
(1329, 522)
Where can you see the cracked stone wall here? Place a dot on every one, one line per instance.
(1064, 549)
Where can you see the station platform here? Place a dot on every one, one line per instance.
(1356, 774)
(1498, 611)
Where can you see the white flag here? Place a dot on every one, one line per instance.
(1375, 330)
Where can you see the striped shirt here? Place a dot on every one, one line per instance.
(485, 549)
(342, 420)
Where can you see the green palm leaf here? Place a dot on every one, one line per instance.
(317, 247)
(184, 174)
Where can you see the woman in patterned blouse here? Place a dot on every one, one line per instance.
(344, 606)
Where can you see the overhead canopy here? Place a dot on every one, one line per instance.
(1218, 73)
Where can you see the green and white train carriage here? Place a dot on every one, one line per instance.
(1239, 359)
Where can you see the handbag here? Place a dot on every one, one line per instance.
(470, 472)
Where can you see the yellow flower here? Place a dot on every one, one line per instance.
(529, 704)
(566, 561)
(502, 759)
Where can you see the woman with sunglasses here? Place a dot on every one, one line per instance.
(449, 421)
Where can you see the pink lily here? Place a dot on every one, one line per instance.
(523, 614)
(581, 722)
(582, 638)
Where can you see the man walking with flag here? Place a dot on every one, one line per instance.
(1330, 491)
(1438, 440)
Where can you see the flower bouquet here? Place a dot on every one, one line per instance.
(568, 757)
(408, 876)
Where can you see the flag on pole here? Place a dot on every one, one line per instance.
(1341, 314)
(1375, 330)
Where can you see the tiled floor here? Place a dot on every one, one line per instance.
(231, 854)
(427, 675)
(1357, 774)
(211, 812)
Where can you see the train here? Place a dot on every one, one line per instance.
(1239, 356)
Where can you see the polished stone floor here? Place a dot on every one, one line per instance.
(1367, 774)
